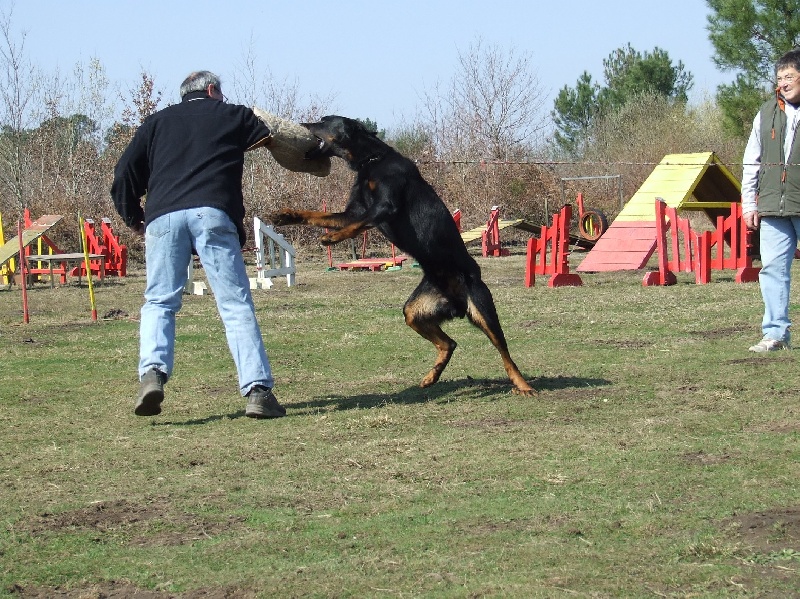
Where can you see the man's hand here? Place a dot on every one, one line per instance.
(751, 220)
(138, 229)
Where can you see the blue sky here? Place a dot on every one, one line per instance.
(375, 58)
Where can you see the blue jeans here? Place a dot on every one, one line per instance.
(778, 242)
(168, 250)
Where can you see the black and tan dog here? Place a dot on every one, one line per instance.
(390, 194)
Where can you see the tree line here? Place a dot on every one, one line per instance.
(486, 137)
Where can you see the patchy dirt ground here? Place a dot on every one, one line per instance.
(771, 539)
(771, 546)
(135, 523)
(770, 531)
(114, 590)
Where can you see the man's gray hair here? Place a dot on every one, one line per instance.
(790, 60)
(199, 81)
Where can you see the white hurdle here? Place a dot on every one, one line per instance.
(281, 261)
(192, 286)
(281, 256)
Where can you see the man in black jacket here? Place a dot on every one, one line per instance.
(188, 160)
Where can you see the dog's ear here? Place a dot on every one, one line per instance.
(368, 130)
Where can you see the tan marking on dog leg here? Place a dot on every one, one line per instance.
(445, 352)
(348, 231)
(521, 386)
(417, 316)
(312, 218)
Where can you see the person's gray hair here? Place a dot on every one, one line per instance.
(790, 60)
(199, 81)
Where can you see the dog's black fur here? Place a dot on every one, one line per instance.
(390, 194)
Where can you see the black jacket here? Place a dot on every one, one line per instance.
(188, 155)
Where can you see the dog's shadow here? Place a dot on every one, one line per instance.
(443, 391)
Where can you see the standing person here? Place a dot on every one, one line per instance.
(188, 159)
(771, 198)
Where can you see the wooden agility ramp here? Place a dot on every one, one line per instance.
(489, 234)
(518, 223)
(30, 234)
(696, 181)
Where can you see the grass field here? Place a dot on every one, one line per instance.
(660, 458)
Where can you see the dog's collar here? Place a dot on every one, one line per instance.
(373, 158)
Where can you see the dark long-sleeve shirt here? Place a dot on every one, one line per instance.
(188, 155)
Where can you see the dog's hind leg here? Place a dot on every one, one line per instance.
(482, 313)
(424, 311)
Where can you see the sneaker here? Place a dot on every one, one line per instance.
(261, 403)
(767, 344)
(151, 393)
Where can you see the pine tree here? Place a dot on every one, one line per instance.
(628, 74)
(748, 37)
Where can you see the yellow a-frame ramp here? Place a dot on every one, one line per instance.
(696, 181)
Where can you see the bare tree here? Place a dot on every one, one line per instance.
(254, 86)
(81, 121)
(19, 89)
(143, 101)
(493, 107)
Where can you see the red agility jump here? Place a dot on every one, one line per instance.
(106, 243)
(490, 239)
(556, 237)
(689, 251)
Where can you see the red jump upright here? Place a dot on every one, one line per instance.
(115, 255)
(457, 218)
(731, 229)
(556, 237)
(689, 251)
(490, 239)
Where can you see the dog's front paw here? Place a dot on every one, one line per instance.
(286, 216)
(329, 239)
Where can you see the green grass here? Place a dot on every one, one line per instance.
(659, 459)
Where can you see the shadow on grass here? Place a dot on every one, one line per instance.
(446, 391)
(196, 421)
(443, 391)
